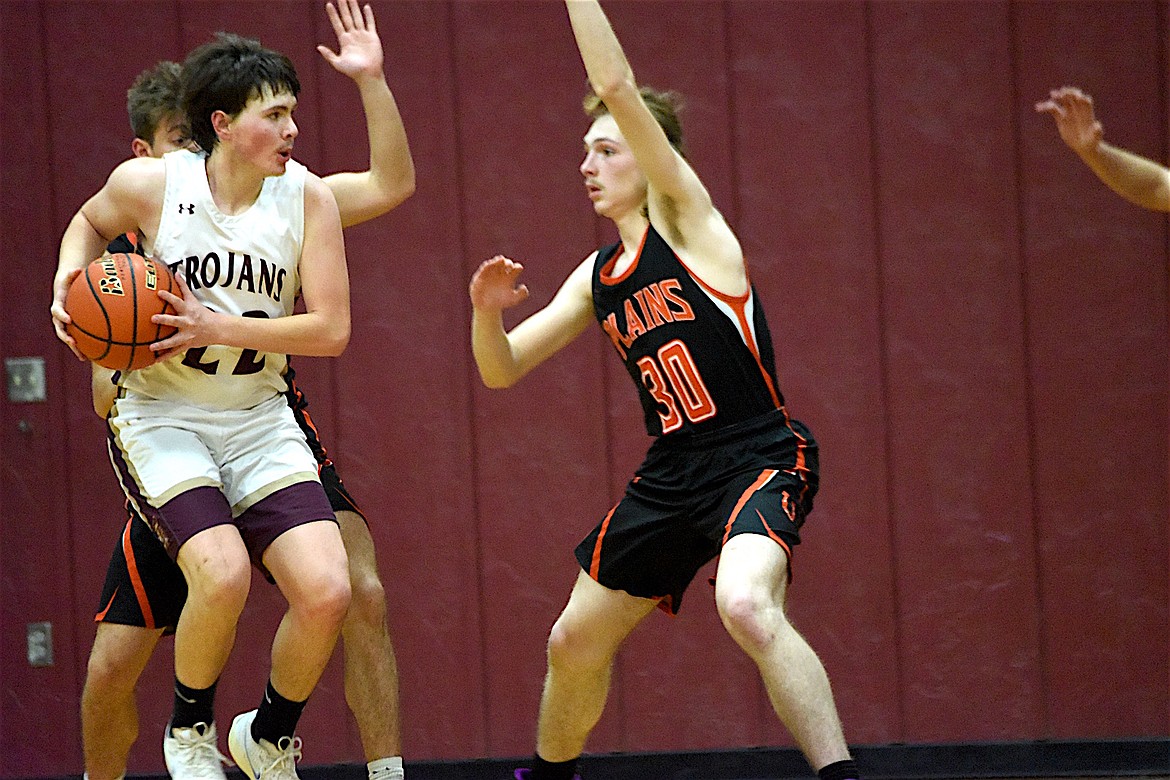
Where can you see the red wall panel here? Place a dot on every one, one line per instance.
(1096, 305)
(959, 462)
(36, 553)
(404, 440)
(540, 463)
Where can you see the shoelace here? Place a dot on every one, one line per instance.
(200, 753)
(288, 754)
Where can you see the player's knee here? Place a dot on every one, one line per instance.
(326, 600)
(367, 604)
(223, 588)
(751, 618)
(572, 646)
(107, 675)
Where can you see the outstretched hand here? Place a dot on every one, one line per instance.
(494, 287)
(360, 54)
(1073, 111)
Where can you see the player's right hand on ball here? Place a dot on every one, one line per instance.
(494, 286)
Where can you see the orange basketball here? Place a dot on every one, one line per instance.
(111, 303)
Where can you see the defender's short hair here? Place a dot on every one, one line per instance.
(155, 95)
(664, 105)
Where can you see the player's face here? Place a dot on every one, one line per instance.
(264, 131)
(171, 134)
(615, 183)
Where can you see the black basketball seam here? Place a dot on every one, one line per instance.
(131, 270)
(105, 315)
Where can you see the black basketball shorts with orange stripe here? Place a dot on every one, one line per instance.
(693, 493)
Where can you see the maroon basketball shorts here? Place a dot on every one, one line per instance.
(145, 588)
(692, 494)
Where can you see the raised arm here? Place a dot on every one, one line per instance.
(503, 358)
(390, 178)
(612, 79)
(1133, 177)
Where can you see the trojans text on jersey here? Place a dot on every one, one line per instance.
(238, 270)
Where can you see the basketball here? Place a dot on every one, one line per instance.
(111, 303)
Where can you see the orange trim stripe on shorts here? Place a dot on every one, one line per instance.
(136, 578)
(765, 477)
(595, 564)
(99, 617)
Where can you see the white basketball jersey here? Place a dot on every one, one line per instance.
(244, 264)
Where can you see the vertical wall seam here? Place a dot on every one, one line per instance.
(66, 482)
(1028, 357)
(884, 368)
(472, 379)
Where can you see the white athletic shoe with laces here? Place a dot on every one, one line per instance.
(192, 753)
(261, 760)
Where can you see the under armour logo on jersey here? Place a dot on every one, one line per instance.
(186, 208)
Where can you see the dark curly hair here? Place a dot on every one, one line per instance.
(224, 75)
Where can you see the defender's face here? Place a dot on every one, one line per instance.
(264, 131)
(171, 134)
(613, 179)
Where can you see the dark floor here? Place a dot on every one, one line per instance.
(1068, 760)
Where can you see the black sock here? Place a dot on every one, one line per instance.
(277, 717)
(192, 705)
(841, 770)
(552, 770)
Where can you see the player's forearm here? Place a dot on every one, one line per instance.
(1133, 177)
(391, 165)
(494, 358)
(314, 334)
(601, 52)
(390, 177)
(80, 244)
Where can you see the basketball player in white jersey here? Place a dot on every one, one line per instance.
(144, 589)
(206, 447)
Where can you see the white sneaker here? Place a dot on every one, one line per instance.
(192, 753)
(261, 760)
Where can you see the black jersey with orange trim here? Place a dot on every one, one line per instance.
(701, 360)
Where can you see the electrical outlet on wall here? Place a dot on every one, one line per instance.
(40, 644)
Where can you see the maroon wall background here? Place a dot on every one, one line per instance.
(974, 327)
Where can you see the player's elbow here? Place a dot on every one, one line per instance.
(336, 338)
(496, 382)
(611, 87)
(497, 377)
(396, 191)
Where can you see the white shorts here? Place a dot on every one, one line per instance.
(247, 454)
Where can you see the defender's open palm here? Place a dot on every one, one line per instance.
(1073, 111)
(357, 38)
(494, 285)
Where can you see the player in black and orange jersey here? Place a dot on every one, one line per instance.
(730, 472)
(145, 590)
(1135, 178)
